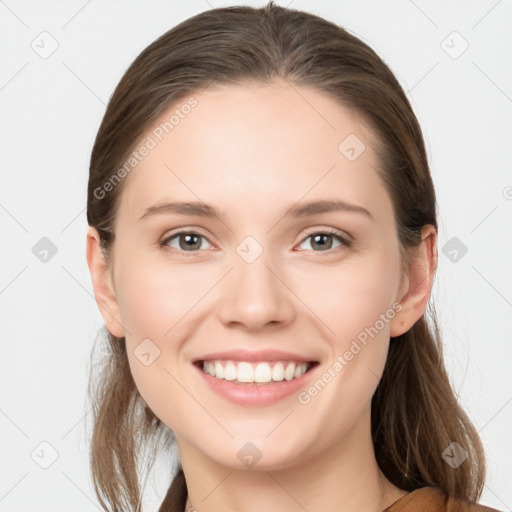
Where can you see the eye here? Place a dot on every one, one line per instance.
(191, 241)
(188, 241)
(318, 240)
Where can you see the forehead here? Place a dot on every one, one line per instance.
(251, 144)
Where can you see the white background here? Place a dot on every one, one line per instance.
(50, 111)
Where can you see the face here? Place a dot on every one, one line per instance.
(320, 286)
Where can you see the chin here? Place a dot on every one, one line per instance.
(258, 454)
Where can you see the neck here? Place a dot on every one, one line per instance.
(343, 478)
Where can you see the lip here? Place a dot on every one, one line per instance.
(261, 355)
(251, 394)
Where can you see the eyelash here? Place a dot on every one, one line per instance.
(344, 241)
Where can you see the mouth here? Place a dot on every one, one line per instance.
(255, 373)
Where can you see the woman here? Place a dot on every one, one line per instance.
(262, 246)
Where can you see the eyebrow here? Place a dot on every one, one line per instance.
(298, 211)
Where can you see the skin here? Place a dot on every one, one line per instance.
(252, 151)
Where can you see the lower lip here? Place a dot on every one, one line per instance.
(252, 394)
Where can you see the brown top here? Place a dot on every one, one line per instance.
(433, 499)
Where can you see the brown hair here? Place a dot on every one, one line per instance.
(415, 413)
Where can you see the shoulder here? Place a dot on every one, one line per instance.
(433, 499)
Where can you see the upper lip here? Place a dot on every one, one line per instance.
(247, 355)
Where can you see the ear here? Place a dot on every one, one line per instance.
(102, 283)
(415, 289)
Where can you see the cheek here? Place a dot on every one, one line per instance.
(351, 296)
(168, 304)
(355, 302)
(154, 306)
(154, 298)
(158, 305)
(347, 297)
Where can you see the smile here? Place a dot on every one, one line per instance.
(256, 372)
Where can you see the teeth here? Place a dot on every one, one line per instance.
(261, 373)
(278, 372)
(229, 372)
(245, 373)
(219, 370)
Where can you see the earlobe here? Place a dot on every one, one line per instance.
(418, 283)
(102, 284)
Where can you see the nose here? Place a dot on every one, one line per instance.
(256, 295)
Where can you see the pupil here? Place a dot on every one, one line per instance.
(322, 245)
(188, 238)
(189, 243)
